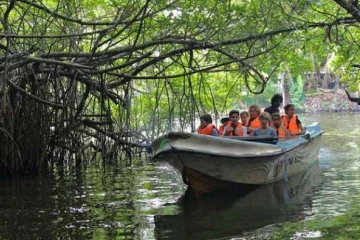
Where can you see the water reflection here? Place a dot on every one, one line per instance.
(148, 202)
(339, 163)
(97, 204)
(219, 216)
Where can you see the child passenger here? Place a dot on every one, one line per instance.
(223, 121)
(233, 127)
(244, 116)
(206, 126)
(264, 130)
(281, 131)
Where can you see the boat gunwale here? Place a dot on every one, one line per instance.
(282, 150)
(214, 154)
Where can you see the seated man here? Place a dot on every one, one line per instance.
(234, 127)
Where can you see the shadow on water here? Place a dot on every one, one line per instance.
(234, 213)
(31, 207)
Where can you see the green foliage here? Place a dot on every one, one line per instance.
(127, 69)
(340, 227)
(297, 92)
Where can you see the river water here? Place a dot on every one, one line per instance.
(149, 201)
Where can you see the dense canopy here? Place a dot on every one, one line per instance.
(93, 76)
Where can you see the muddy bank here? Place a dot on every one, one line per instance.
(329, 100)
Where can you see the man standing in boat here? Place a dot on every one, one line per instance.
(276, 101)
(234, 127)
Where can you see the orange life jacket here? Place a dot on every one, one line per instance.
(281, 131)
(254, 124)
(290, 124)
(207, 130)
(238, 127)
(221, 130)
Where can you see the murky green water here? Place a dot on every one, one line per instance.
(148, 201)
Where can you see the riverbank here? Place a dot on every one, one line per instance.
(329, 100)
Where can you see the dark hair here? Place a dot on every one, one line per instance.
(206, 117)
(276, 114)
(234, 111)
(287, 106)
(224, 120)
(275, 98)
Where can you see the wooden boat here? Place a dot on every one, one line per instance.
(211, 164)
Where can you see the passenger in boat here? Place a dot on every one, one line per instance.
(276, 101)
(223, 121)
(353, 99)
(233, 127)
(291, 121)
(264, 129)
(254, 122)
(206, 126)
(281, 131)
(244, 116)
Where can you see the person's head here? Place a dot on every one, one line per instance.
(205, 119)
(234, 116)
(289, 109)
(224, 120)
(244, 116)
(254, 111)
(276, 119)
(264, 118)
(276, 100)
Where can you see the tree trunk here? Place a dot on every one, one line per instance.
(286, 85)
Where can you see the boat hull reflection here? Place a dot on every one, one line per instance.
(231, 214)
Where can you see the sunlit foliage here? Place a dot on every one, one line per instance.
(80, 76)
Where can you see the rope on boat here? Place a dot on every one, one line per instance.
(285, 167)
(162, 143)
